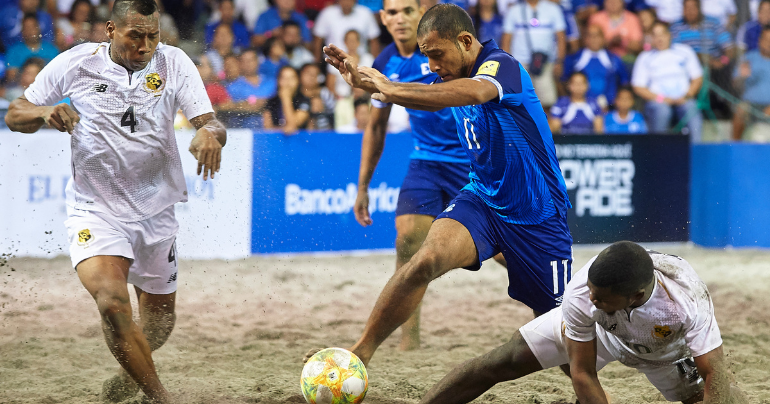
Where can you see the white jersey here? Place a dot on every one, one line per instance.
(667, 72)
(676, 322)
(125, 160)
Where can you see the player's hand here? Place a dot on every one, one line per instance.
(377, 80)
(310, 354)
(208, 151)
(361, 208)
(346, 66)
(61, 117)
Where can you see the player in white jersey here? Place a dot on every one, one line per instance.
(647, 310)
(126, 176)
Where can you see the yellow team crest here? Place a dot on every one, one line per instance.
(84, 236)
(661, 331)
(489, 68)
(153, 83)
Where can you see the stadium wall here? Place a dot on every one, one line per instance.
(294, 194)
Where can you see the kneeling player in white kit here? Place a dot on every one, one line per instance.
(126, 176)
(647, 310)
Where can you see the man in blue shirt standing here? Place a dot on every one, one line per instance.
(438, 166)
(516, 202)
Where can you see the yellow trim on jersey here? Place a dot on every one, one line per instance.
(97, 49)
(489, 68)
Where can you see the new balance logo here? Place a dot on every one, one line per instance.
(100, 88)
(172, 278)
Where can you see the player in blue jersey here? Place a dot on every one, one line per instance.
(516, 202)
(439, 166)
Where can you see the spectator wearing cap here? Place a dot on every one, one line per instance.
(241, 34)
(604, 70)
(32, 45)
(576, 114)
(336, 20)
(622, 28)
(536, 27)
(753, 76)
(748, 34)
(12, 16)
(668, 79)
(270, 22)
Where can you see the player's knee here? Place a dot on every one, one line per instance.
(423, 267)
(408, 243)
(115, 312)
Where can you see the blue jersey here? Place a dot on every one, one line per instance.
(577, 118)
(434, 134)
(634, 123)
(513, 158)
(604, 70)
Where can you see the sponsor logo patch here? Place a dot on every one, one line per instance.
(84, 237)
(661, 331)
(489, 68)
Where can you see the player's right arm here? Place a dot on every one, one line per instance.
(26, 117)
(582, 367)
(372, 144)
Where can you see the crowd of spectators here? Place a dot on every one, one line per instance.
(598, 66)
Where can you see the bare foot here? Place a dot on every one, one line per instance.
(119, 388)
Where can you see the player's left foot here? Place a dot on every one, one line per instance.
(119, 388)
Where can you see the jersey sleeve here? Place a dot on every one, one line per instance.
(191, 94)
(702, 335)
(49, 85)
(505, 73)
(578, 323)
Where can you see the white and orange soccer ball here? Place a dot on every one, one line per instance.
(334, 376)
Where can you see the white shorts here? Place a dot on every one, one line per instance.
(545, 337)
(149, 244)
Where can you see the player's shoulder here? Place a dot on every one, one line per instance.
(682, 48)
(172, 52)
(83, 51)
(385, 55)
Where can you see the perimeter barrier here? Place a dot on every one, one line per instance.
(281, 194)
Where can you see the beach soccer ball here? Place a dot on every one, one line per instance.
(334, 376)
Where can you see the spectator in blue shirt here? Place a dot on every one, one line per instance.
(488, 21)
(274, 59)
(11, 16)
(748, 34)
(604, 70)
(576, 114)
(248, 90)
(624, 120)
(270, 22)
(753, 75)
(240, 32)
(31, 46)
(704, 34)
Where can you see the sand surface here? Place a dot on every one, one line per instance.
(244, 325)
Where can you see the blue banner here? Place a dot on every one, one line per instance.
(305, 186)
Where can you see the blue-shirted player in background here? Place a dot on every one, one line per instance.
(516, 202)
(438, 166)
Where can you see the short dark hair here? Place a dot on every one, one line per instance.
(447, 20)
(121, 8)
(624, 267)
(292, 23)
(663, 24)
(33, 61)
(30, 16)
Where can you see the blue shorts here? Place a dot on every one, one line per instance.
(539, 257)
(429, 186)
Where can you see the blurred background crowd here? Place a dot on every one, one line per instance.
(598, 66)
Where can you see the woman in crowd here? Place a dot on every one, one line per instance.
(288, 109)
